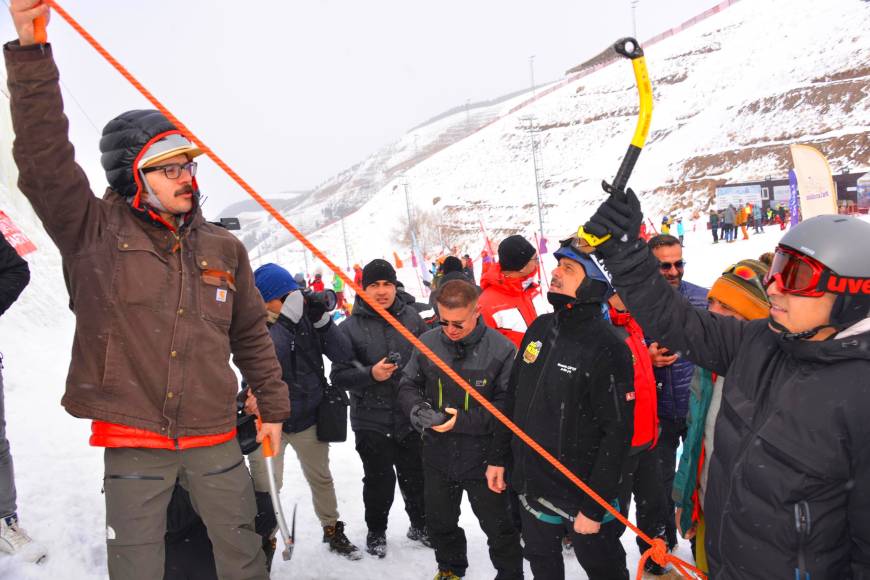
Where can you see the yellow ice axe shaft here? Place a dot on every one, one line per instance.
(629, 48)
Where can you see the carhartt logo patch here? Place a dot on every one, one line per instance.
(533, 349)
(221, 295)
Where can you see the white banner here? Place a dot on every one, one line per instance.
(818, 195)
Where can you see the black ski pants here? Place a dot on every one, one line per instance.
(672, 432)
(443, 497)
(601, 555)
(385, 461)
(641, 478)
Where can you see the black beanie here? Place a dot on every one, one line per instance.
(378, 270)
(451, 264)
(514, 253)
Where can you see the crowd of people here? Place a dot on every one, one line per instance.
(761, 379)
(725, 223)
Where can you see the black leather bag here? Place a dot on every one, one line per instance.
(332, 415)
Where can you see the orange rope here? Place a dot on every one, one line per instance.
(657, 551)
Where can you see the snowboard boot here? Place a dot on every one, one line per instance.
(419, 535)
(376, 544)
(15, 541)
(338, 542)
(446, 575)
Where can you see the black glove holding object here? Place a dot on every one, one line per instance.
(423, 416)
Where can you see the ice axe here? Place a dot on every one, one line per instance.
(288, 534)
(629, 48)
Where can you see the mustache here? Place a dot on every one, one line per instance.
(188, 188)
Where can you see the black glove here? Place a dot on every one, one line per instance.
(423, 416)
(316, 310)
(620, 216)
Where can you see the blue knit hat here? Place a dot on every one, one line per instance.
(273, 282)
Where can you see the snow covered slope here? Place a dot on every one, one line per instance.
(731, 93)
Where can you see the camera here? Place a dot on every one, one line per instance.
(394, 358)
(325, 298)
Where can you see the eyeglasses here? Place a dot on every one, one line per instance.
(666, 266)
(457, 325)
(795, 273)
(748, 274)
(173, 170)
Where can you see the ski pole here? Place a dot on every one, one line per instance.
(629, 48)
(286, 534)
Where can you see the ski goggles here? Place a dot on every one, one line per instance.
(749, 275)
(795, 273)
(801, 275)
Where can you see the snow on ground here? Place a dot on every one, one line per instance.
(59, 477)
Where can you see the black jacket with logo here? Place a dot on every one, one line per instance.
(788, 492)
(573, 381)
(483, 359)
(373, 404)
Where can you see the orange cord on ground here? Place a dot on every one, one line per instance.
(657, 551)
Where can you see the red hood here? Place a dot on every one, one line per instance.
(494, 277)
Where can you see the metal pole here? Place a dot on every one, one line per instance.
(538, 198)
(346, 250)
(634, 4)
(532, 73)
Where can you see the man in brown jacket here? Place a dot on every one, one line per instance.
(162, 299)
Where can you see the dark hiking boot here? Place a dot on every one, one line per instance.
(654, 569)
(338, 542)
(376, 544)
(446, 575)
(419, 535)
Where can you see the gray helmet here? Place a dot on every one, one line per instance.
(839, 243)
(836, 241)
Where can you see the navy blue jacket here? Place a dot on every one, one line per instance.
(300, 349)
(674, 382)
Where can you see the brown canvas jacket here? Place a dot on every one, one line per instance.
(157, 315)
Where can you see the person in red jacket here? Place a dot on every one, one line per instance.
(317, 284)
(508, 289)
(641, 474)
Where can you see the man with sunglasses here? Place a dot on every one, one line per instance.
(788, 492)
(162, 299)
(464, 447)
(673, 373)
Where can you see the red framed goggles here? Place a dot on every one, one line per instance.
(795, 273)
(798, 274)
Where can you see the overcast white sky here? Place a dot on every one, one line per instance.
(289, 92)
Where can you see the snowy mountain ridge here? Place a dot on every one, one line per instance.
(731, 93)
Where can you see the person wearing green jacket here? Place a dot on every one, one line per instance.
(738, 293)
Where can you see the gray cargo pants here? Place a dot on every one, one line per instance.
(138, 485)
(7, 473)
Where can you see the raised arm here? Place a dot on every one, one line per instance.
(708, 340)
(48, 174)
